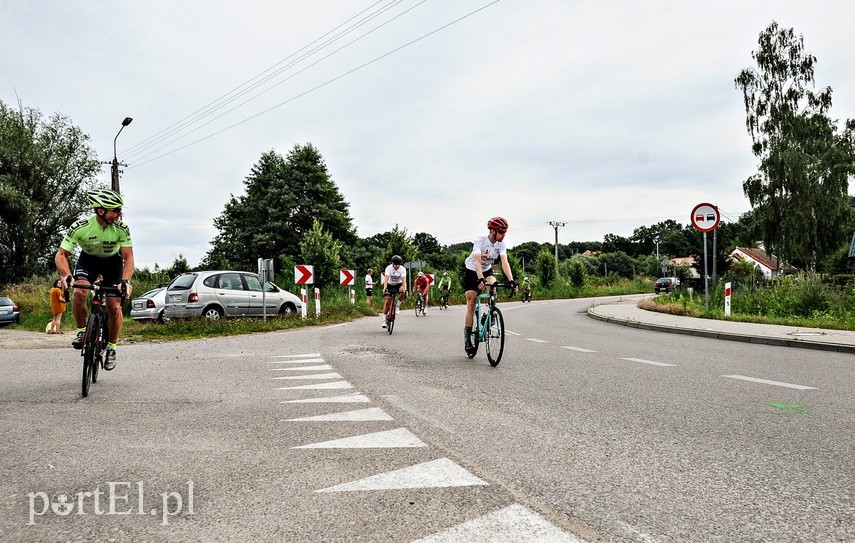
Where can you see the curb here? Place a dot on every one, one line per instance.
(730, 336)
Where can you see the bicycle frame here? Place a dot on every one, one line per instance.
(97, 333)
(489, 325)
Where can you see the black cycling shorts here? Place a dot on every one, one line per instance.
(110, 269)
(470, 279)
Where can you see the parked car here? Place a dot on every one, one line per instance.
(9, 311)
(666, 284)
(225, 293)
(150, 306)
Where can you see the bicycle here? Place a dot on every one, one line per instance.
(97, 333)
(526, 297)
(420, 304)
(390, 317)
(490, 325)
(443, 301)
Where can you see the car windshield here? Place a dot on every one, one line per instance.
(151, 293)
(183, 282)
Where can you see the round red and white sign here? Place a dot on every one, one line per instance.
(705, 217)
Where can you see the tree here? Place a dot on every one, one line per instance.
(799, 195)
(324, 253)
(284, 196)
(46, 167)
(546, 268)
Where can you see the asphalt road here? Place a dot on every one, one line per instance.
(586, 431)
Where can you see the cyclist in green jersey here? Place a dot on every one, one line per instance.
(106, 250)
(444, 284)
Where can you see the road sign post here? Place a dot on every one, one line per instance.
(305, 299)
(727, 299)
(705, 218)
(318, 303)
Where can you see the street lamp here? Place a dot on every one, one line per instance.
(115, 172)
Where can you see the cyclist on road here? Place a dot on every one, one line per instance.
(479, 269)
(421, 284)
(394, 282)
(444, 284)
(526, 285)
(106, 249)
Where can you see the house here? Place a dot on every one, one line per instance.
(688, 263)
(767, 263)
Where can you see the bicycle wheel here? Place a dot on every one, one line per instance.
(495, 337)
(476, 332)
(101, 344)
(418, 306)
(90, 350)
(390, 318)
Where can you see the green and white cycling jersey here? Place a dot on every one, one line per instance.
(96, 240)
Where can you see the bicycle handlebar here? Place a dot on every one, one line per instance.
(99, 287)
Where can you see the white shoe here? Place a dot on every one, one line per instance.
(383, 326)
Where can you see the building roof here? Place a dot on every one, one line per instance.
(759, 256)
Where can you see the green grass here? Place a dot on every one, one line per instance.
(796, 303)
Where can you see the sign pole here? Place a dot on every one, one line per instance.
(706, 277)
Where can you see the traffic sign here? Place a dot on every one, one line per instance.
(430, 278)
(304, 275)
(347, 277)
(705, 217)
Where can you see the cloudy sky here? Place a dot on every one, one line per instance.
(433, 114)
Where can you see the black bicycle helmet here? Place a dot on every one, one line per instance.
(397, 259)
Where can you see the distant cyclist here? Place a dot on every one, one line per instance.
(526, 285)
(479, 269)
(421, 284)
(105, 249)
(394, 283)
(444, 284)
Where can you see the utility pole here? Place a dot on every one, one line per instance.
(556, 225)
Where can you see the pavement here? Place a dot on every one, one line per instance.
(627, 313)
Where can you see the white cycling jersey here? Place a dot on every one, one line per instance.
(489, 253)
(396, 277)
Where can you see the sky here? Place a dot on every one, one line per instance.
(431, 115)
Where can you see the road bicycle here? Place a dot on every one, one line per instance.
(393, 306)
(443, 300)
(526, 297)
(97, 332)
(490, 325)
(420, 304)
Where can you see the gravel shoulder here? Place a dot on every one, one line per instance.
(24, 339)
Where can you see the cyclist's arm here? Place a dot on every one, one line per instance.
(128, 269)
(61, 262)
(506, 267)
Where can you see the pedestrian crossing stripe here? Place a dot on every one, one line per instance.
(305, 368)
(442, 473)
(509, 525)
(334, 385)
(369, 414)
(388, 439)
(332, 375)
(344, 398)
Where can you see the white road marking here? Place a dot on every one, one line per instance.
(310, 355)
(369, 414)
(767, 382)
(377, 440)
(512, 333)
(354, 397)
(651, 362)
(335, 385)
(579, 349)
(303, 368)
(509, 525)
(297, 361)
(536, 340)
(331, 375)
(442, 473)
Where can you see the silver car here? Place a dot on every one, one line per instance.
(224, 293)
(150, 306)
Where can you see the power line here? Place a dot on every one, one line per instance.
(328, 82)
(234, 94)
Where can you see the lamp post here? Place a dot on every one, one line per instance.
(115, 171)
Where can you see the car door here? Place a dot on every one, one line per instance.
(233, 295)
(256, 296)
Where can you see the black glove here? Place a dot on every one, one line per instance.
(68, 280)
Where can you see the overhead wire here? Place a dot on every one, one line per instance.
(248, 86)
(321, 85)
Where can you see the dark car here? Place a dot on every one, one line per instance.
(9, 311)
(666, 284)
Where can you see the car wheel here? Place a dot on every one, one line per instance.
(287, 309)
(162, 318)
(212, 312)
